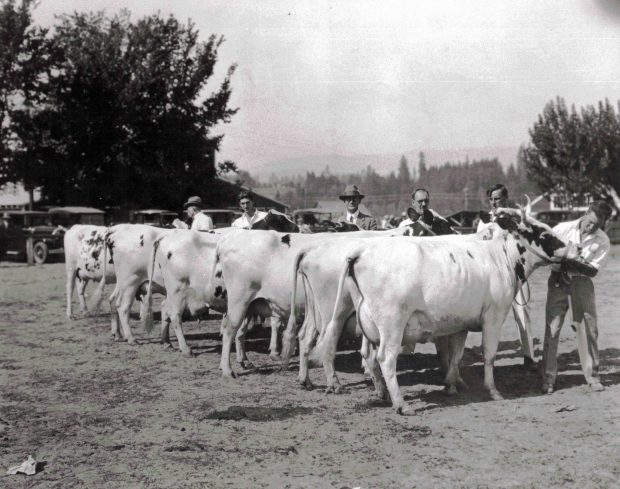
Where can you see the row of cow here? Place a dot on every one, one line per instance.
(393, 288)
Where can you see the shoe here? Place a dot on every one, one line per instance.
(596, 387)
(547, 389)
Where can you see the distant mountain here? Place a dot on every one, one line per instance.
(382, 163)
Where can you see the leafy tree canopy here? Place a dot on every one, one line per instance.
(573, 153)
(124, 117)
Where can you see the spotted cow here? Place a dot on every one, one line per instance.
(84, 251)
(407, 291)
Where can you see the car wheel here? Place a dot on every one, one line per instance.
(39, 251)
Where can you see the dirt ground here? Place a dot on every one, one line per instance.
(98, 414)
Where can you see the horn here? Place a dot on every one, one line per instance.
(528, 206)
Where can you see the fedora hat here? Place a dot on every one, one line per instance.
(351, 191)
(194, 200)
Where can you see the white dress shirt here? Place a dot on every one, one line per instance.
(352, 218)
(246, 221)
(202, 222)
(594, 246)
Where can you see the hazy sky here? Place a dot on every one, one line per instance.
(361, 77)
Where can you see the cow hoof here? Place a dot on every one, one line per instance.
(132, 342)
(405, 410)
(334, 389)
(275, 357)
(247, 365)
(496, 396)
(117, 338)
(167, 346)
(188, 353)
(229, 374)
(382, 395)
(451, 390)
(306, 384)
(461, 385)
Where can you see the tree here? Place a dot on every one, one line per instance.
(125, 113)
(24, 64)
(575, 153)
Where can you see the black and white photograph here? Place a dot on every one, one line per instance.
(309, 244)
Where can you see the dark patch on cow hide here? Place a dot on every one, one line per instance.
(470, 255)
(111, 261)
(521, 248)
(218, 274)
(169, 255)
(452, 257)
(95, 253)
(286, 239)
(142, 240)
(221, 292)
(92, 233)
(520, 271)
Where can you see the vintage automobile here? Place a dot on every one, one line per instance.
(154, 217)
(318, 220)
(68, 216)
(17, 226)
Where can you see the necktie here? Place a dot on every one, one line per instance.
(351, 219)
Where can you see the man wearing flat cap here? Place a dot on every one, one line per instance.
(200, 220)
(352, 198)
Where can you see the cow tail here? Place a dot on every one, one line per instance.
(347, 271)
(288, 338)
(98, 295)
(147, 320)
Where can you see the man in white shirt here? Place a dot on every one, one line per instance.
(200, 221)
(250, 214)
(498, 198)
(573, 279)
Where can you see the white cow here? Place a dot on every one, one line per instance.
(408, 291)
(255, 272)
(130, 247)
(184, 260)
(83, 246)
(318, 267)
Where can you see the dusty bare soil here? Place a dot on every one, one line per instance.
(99, 414)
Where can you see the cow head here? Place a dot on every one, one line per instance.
(276, 221)
(537, 236)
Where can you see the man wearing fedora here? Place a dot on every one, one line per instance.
(250, 214)
(199, 220)
(352, 198)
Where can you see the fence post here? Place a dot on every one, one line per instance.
(30, 251)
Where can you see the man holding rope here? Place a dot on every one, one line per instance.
(574, 280)
(498, 198)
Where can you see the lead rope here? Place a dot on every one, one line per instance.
(529, 295)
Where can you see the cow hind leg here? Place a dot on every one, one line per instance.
(240, 352)
(456, 344)
(387, 356)
(369, 360)
(276, 324)
(81, 288)
(165, 326)
(490, 341)
(177, 322)
(115, 331)
(123, 306)
(305, 344)
(230, 326)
